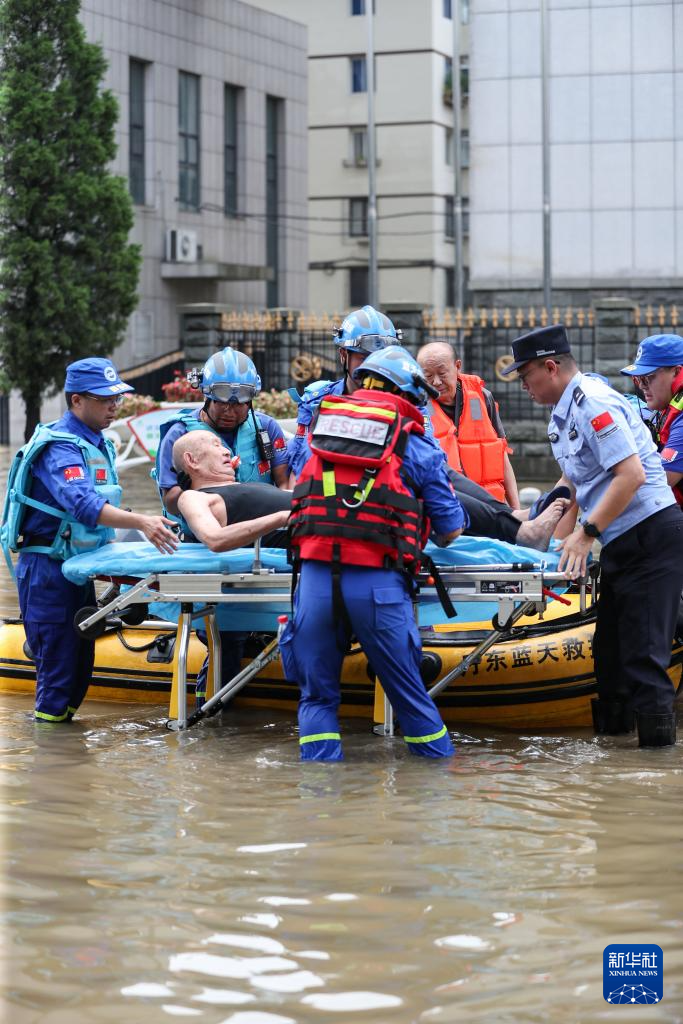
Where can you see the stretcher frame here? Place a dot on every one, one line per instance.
(518, 589)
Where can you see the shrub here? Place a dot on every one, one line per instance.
(277, 404)
(134, 405)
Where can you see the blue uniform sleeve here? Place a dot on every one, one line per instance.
(425, 465)
(62, 471)
(167, 475)
(606, 431)
(672, 455)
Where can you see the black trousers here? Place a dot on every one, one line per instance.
(488, 517)
(640, 592)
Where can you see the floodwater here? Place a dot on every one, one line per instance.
(211, 876)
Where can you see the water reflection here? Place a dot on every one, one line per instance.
(211, 875)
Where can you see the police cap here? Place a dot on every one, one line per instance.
(546, 341)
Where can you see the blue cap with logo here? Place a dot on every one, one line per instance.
(655, 351)
(96, 376)
(545, 341)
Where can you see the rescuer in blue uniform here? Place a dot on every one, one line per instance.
(357, 528)
(74, 475)
(229, 382)
(611, 463)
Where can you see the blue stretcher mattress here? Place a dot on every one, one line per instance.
(140, 559)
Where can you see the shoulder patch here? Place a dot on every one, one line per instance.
(74, 473)
(669, 454)
(578, 395)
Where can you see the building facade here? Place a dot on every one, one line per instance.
(413, 44)
(615, 90)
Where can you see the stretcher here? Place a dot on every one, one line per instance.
(251, 589)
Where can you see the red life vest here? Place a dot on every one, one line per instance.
(672, 413)
(351, 505)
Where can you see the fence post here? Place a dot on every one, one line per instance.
(615, 339)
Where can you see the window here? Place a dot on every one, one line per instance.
(359, 146)
(448, 81)
(464, 78)
(230, 130)
(359, 75)
(357, 7)
(450, 217)
(450, 287)
(447, 9)
(465, 215)
(464, 12)
(464, 148)
(358, 218)
(136, 131)
(274, 115)
(358, 287)
(449, 147)
(188, 141)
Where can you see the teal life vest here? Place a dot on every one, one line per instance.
(72, 537)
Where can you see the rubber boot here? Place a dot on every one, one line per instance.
(656, 730)
(612, 717)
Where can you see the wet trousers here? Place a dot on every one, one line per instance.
(640, 592)
(64, 660)
(314, 644)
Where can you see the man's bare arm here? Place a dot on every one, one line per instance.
(195, 509)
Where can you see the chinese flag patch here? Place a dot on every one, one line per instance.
(74, 473)
(100, 476)
(669, 454)
(278, 443)
(599, 423)
(263, 467)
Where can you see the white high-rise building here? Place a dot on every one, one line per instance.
(413, 43)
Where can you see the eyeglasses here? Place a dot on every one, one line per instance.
(115, 400)
(643, 380)
(240, 393)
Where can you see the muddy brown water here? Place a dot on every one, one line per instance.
(210, 876)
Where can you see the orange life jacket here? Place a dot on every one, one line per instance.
(472, 446)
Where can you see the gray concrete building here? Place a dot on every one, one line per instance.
(615, 150)
(212, 138)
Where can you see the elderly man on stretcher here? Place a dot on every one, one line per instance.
(224, 514)
(219, 512)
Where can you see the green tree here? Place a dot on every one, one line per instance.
(68, 275)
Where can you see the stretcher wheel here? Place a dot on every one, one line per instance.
(134, 615)
(92, 632)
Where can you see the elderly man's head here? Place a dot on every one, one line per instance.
(201, 455)
(440, 365)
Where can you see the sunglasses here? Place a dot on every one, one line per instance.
(643, 380)
(240, 393)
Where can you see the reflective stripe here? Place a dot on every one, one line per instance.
(361, 496)
(319, 737)
(51, 718)
(426, 739)
(329, 483)
(363, 409)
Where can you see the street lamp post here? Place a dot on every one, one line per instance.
(372, 186)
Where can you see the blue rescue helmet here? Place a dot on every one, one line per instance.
(366, 330)
(396, 366)
(229, 376)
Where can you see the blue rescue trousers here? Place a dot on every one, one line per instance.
(313, 646)
(64, 660)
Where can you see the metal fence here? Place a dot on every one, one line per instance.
(298, 348)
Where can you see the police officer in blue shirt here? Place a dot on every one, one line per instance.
(73, 474)
(611, 464)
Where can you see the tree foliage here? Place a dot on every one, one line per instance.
(68, 275)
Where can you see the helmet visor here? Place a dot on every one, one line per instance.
(372, 342)
(221, 392)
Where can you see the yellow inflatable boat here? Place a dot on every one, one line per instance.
(539, 676)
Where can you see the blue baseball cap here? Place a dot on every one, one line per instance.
(655, 351)
(96, 375)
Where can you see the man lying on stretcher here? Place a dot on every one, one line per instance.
(221, 513)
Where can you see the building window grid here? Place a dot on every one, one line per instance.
(273, 105)
(358, 217)
(136, 129)
(188, 140)
(231, 97)
(359, 146)
(449, 227)
(464, 148)
(359, 75)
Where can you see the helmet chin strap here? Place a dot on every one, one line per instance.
(208, 415)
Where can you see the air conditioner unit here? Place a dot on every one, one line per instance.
(181, 246)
